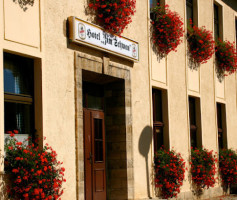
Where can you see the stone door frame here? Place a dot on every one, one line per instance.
(101, 65)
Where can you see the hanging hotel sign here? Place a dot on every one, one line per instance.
(91, 35)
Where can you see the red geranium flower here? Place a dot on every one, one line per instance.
(200, 44)
(167, 30)
(169, 172)
(228, 167)
(203, 168)
(113, 17)
(226, 57)
(35, 173)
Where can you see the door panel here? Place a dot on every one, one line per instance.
(87, 154)
(99, 180)
(94, 134)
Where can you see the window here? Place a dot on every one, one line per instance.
(19, 95)
(189, 11)
(153, 3)
(160, 119)
(217, 22)
(93, 96)
(193, 126)
(195, 122)
(222, 139)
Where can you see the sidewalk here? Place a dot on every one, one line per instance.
(230, 197)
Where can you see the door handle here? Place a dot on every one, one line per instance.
(90, 158)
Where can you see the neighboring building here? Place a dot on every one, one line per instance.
(62, 90)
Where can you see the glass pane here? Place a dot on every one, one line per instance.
(216, 14)
(18, 74)
(216, 30)
(220, 140)
(216, 22)
(94, 102)
(93, 96)
(192, 111)
(153, 3)
(98, 129)
(193, 138)
(158, 137)
(157, 105)
(98, 134)
(98, 151)
(189, 11)
(219, 116)
(18, 117)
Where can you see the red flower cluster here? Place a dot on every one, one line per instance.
(167, 30)
(228, 167)
(12, 133)
(200, 44)
(203, 168)
(114, 15)
(34, 173)
(226, 57)
(169, 172)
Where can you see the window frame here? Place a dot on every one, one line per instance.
(194, 8)
(195, 125)
(221, 125)
(218, 23)
(16, 98)
(191, 6)
(157, 124)
(22, 99)
(161, 2)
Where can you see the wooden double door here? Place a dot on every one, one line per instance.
(94, 155)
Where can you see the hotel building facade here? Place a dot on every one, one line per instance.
(106, 113)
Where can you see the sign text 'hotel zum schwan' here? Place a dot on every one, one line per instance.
(91, 35)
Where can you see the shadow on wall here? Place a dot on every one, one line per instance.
(144, 148)
(24, 4)
(153, 46)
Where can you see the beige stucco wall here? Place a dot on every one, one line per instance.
(44, 36)
(29, 20)
(201, 83)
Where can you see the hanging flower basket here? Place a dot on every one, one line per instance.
(203, 169)
(167, 30)
(228, 167)
(113, 16)
(34, 173)
(200, 45)
(169, 169)
(226, 58)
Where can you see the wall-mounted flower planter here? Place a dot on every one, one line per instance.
(113, 16)
(200, 45)
(167, 30)
(226, 58)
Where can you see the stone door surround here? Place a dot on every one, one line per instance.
(101, 65)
